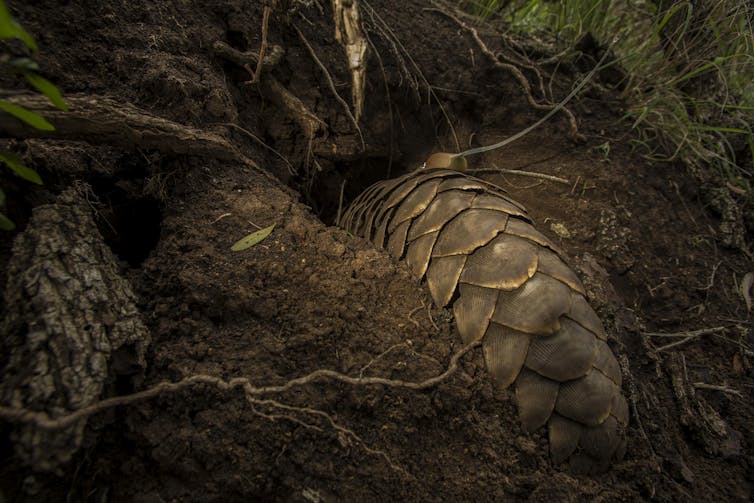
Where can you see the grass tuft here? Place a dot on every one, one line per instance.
(689, 66)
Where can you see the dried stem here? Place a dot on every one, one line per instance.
(263, 46)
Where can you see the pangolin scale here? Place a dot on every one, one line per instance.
(510, 287)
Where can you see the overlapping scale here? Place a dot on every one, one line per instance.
(397, 241)
(505, 351)
(536, 397)
(552, 265)
(484, 267)
(442, 277)
(419, 251)
(468, 231)
(535, 307)
(564, 437)
(439, 212)
(473, 311)
(415, 203)
(583, 314)
(588, 399)
(606, 363)
(567, 354)
(494, 202)
(511, 288)
(524, 229)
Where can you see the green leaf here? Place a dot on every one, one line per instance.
(6, 224)
(9, 28)
(29, 117)
(47, 88)
(17, 165)
(252, 239)
(24, 64)
(2, 198)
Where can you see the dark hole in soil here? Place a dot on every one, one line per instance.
(324, 196)
(129, 223)
(137, 228)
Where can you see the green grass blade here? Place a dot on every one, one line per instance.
(11, 29)
(29, 117)
(47, 88)
(705, 67)
(17, 165)
(6, 224)
(720, 129)
(24, 64)
(252, 239)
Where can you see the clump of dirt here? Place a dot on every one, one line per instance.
(312, 297)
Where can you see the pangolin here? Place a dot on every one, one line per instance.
(511, 288)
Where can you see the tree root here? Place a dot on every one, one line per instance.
(310, 124)
(705, 422)
(512, 69)
(330, 82)
(399, 51)
(349, 34)
(100, 120)
(43, 420)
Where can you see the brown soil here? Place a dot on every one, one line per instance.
(312, 297)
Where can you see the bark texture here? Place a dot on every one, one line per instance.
(71, 322)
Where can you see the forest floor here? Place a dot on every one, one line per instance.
(310, 296)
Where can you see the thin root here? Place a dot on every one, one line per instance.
(330, 82)
(523, 82)
(44, 421)
(263, 46)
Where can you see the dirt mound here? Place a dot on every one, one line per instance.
(312, 297)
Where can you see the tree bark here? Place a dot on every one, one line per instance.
(70, 323)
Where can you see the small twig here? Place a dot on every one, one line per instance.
(275, 417)
(380, 356)
(389, 103)
(573, 189)
(263, 46)
(411, 314)
(520, 172)
(347, 433)
(691, 333)
(254, 137)
(685, 336)
(220, 218)
(340, 202)
(330, 82)
(718, 387)
(711, 281)
(746, 285)
(429, 313)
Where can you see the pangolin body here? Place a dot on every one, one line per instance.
(510, 287)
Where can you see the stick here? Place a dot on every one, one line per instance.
(521, 173)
